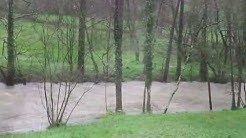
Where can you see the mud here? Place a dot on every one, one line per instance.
(21, 108)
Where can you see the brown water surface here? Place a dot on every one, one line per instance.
(21, 108)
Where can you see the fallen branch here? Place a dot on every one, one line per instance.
(24, 15)
(186, 62)
(177, 84)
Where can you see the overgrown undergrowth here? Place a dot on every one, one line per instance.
(31, 37)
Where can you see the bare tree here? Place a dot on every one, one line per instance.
(203, 63)
(169, 50)
(91, 43)
(230, 44)
(59, 81)
(132, 28)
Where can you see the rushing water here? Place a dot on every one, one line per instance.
(21, 107)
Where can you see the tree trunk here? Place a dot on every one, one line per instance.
(118, 32)
(11, 47)
(132, 28)
(81, 44)
(203, 64)
(148, 65)
(240, 73)
(70, 41)
(244, 36)
(90, 40)
(221, 72)
(180, 40)
(144, 100)
(229, 32)
(170, 45)
(210, 96)
(239, 56)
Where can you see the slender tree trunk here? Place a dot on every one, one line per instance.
(70, 41)
(148, 65)
(240, 73)
(239, 56)
(10, 46)
(229, 32)
(203, 63)
(118, 32)
(222, 72)
(144, 100)
(90, 40)
(210, 95)
(170, 45)
(180, 40)
(244, 36)
(81, 44)
(132, 28)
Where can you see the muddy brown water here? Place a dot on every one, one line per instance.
(21, 109)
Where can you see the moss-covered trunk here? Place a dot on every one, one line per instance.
(81, 39)
(148, 65)
(180, 40)
(118, 32)
(10, 46)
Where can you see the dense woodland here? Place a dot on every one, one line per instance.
(72, 41)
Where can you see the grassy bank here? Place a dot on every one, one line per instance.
(224, 124)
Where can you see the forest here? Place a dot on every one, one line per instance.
(81, 68)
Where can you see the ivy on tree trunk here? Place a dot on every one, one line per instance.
(10, 46)
(118, 32)
(148, 56)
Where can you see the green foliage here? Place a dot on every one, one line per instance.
(222, 124)
(30, 52)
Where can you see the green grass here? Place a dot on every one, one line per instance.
(223, 124)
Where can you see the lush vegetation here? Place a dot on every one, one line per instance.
(224, 124)
(196, 40)
(30, 50)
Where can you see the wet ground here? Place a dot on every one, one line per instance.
(21, 108)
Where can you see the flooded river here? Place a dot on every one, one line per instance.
(21, 108)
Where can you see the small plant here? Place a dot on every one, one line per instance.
(56, 96)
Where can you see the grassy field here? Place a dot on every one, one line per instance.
(30, 49)
(223, 124)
